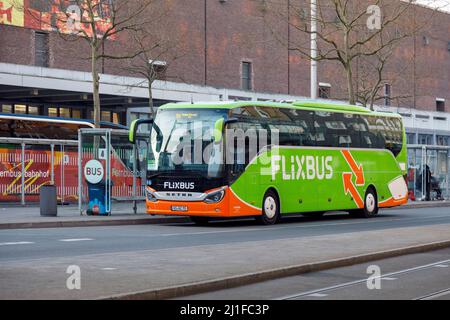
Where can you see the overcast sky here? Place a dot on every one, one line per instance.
(441, 4)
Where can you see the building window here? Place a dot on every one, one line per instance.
(52, 112)
(64, 112)
(238, 98)
(115, 118)
(324, 90)
(41, 49)
(20, 109)
(33, 110)
(387, 94)
(106, 116)
(7, 108)
(426, 139)
(76, 113)
(247, 76)
(411, 138)
(442, 140)
(440, 105)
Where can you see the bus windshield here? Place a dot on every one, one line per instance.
(182, 141)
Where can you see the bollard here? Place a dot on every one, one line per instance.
(47, 201)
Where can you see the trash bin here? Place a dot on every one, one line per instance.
(97, 199)
(47, 201)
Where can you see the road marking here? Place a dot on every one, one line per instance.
(74, 240)
(433, 295)
(352, 283)
(14, 243)
(388, 278)
(109, 269)
(441, 266)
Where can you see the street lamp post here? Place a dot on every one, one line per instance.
(313, 49)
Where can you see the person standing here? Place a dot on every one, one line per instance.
(427, 183)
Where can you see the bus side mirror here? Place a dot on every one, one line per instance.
(219, 127)
(134, 127)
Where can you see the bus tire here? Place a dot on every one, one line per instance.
(370, 205)
(270, 209)
(200, 221)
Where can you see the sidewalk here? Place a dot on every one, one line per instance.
(18, 217)
(166, 273)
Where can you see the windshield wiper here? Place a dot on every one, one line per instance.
(157, 174)
(181, 172)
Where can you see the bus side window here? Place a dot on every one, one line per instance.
(382, 133)
(322, 136)
(372, 138)
(289, 135)
(305, 120)
(368, 139)
(333, 126)
(399, 134)
(395, 135)
(352, 122)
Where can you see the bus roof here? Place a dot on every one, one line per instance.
(89, 123)
(303, 104)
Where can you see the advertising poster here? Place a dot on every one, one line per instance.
(68, 17)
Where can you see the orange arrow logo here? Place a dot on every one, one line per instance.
(350, 187)
(357, 170)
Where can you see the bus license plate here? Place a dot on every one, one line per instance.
(180, 208)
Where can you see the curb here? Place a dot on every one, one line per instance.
(424, 204)
(92, 223)
(250, 278)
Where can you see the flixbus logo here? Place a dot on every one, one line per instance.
(302, 167)
(179, 185)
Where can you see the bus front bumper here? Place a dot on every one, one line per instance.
(229, 206)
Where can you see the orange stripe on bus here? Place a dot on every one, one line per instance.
(229, 206)
(391, 202)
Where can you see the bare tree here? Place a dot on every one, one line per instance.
(155, 52)
(350, 33)
(97, 22)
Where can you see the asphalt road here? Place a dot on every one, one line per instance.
(424, 276)
(114, 260)
(24, 244)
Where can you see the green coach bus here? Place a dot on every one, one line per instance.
(310, 158)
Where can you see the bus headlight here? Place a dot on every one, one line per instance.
(150, 196)
(215, 197)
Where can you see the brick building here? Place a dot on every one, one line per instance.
(228, 49)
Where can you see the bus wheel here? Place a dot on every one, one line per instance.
(270, 209)
(370, 205)
(201, 221)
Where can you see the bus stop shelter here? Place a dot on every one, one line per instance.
(428, 172)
